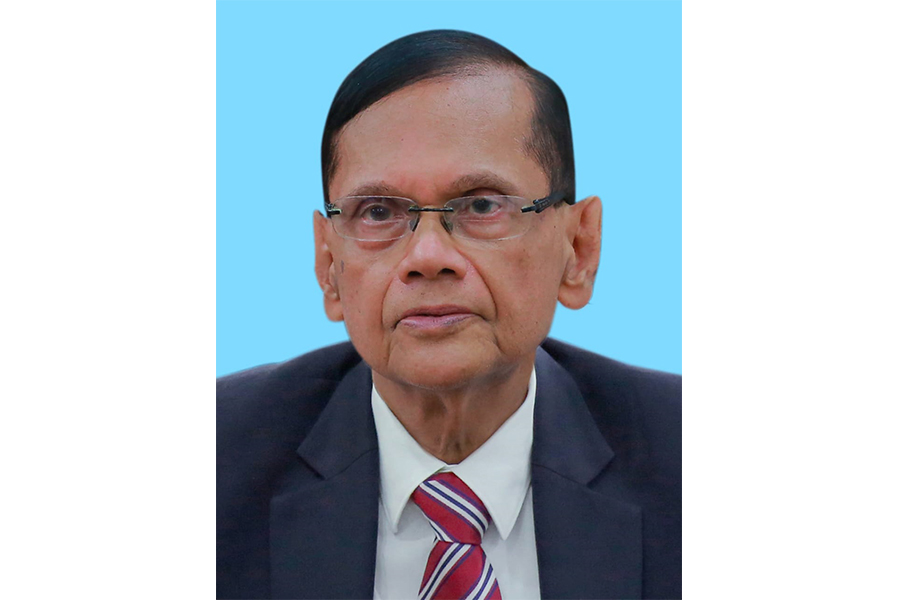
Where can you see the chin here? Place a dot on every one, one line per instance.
(444, 366)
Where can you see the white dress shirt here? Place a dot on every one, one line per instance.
(499, 472)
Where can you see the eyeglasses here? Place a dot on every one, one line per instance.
(387, 218)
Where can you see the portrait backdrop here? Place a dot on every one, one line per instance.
(278, 66)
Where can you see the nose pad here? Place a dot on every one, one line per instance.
(448, 226)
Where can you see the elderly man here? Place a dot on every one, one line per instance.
(450, 450)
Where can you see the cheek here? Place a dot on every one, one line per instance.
(362, 285)
(524, 291)
(527, 291)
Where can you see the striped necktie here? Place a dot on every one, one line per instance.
(457, 567)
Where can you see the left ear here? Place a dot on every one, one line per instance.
(584, 232)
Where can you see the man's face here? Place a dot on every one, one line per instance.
(433, 310)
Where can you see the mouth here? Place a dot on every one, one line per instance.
(426, 318)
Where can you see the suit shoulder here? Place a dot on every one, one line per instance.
(329, 363)
(633, 407)
(268, 393)
(593, 371)
(638, 412)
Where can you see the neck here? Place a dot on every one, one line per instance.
(451, 424)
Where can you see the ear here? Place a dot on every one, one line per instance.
(325, 270)
(584, 231)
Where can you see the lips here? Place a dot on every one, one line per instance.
(435, 311)
(435, 317)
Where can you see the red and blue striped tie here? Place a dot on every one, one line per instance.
(457, 567)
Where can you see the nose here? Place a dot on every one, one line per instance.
(432, 252)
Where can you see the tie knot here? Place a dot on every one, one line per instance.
(456, 514)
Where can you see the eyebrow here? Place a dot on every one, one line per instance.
(461, 185)
(376, 188)
(485, 179)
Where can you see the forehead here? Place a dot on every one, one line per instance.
(434, 137)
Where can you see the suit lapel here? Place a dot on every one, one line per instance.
(324, 516)
(588, 542)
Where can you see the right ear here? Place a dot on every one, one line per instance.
(326, 273)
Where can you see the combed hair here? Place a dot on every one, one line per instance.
(444, 52)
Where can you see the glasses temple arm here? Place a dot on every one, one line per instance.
(545, 203)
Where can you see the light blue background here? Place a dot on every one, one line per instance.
(278, 67)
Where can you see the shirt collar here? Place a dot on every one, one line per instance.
(499, 472)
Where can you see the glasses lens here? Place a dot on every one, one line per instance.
(487, 217)
(373, 218)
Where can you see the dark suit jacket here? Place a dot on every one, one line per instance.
(298, 477)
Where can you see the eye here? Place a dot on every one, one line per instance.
(484, 206)
(376, 212)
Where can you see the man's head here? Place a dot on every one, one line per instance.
(433, 309)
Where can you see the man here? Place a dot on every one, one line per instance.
(451, 450)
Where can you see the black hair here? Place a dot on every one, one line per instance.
(444, 52)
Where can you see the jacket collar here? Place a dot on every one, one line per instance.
(323, 520)
(566, 438)
(588, 542)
